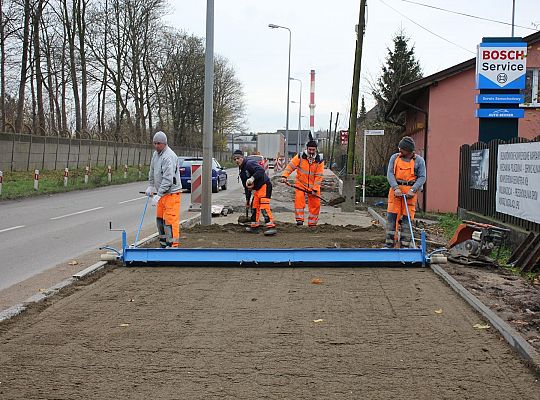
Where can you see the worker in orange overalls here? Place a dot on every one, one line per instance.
(258, 187)
(406, 176)
(164, 188)
(309, 175)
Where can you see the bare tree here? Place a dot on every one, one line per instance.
(24, 65)
(36, 29)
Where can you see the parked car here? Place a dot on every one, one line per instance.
(219, 176)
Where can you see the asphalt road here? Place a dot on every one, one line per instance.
(39, 233)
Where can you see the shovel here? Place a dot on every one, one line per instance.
(331, 202)
(242, 219)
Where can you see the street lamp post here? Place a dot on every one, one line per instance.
(299, 116)
(274, 26)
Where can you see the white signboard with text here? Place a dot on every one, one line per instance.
(518, 180)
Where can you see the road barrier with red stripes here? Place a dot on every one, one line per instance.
(196, 187)
(279, 165)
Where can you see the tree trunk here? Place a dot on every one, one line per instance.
(2, 70)
(37, 67)
(81, 25)
(24, 61)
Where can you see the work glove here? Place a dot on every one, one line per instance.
(250, 182)
(149, 191)
(410, 194)
(315, 192)
(155, 199)
(398, 192)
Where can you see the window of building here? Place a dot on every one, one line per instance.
(532, 88)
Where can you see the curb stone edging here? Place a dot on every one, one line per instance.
(377, 216)
(12, 312)
(514, 339)
(41, 296)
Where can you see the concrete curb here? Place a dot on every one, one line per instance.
(12, 312)
(377, 216)
(41, 296)
(90, 270)
(513, 338)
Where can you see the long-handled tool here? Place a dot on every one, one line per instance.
(242, 219)
(332, 202)
(409, 218)
(142, 219)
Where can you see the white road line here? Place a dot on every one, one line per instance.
(76, 213)
(129, 201)
(13, 227)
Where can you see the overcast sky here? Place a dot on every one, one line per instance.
(323, 39)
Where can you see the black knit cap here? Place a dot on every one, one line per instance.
(238, 153)
(311, 143)
(407, 144)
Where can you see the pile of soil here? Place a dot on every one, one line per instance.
(288, 236)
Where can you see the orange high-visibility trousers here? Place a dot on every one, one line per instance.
(261, 205)
(397, 205)
(168, 220)
(314, 206)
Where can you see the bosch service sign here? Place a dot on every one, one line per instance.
(501, 65)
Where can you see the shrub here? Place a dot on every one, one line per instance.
(376, 186)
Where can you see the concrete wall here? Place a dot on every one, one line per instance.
(46, 153)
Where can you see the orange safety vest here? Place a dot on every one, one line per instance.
(404, 173)
(308, 175)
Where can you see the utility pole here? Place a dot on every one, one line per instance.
(349, 184)
(329, 143)
(356, 87)
(208, 123)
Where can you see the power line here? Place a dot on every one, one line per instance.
(426, 29)
(466, 15)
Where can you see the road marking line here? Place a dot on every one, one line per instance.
(76, 213)
(13, 227)
(129, 201)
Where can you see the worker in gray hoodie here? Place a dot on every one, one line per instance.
(164, 188)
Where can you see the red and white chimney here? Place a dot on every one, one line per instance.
(312, 104)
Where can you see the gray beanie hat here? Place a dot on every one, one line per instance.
(160, 137)
(407, 144)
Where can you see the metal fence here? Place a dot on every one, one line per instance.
(24, 152)
(483, 201)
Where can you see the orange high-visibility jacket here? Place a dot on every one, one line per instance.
(308, 175)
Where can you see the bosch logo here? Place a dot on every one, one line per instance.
(503, 54)
(502, 78)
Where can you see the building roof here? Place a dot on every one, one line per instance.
(411, 91)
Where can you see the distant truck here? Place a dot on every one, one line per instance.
(269, 145)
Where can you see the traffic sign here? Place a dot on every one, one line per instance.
(374, 132)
